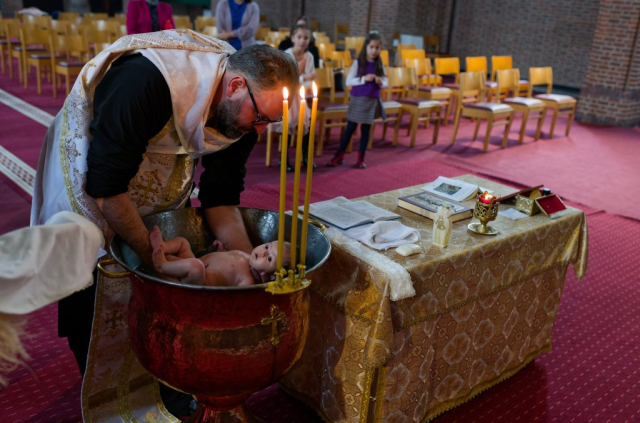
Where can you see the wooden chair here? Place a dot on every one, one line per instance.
(68, 46)
(449, 66)
(325, 50)
(431, 42)
(343, 55)
(339, 33)
(211, 31)
(433, 90)
(421, 110)
(384, 56)
(411, 54)
(96, 16)
(68, 16)
(330, 114)
(560, 104)
(61, 27)
(7, 42)
(508, 81)
(22, 50)
(479, 64)
(426, 77)
(202, 22)
(353, 43)
(506, 62)
(40, 60)
(470, 104)
(180, 21)
(399, 50)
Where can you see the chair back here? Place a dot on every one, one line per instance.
(540, 76)
(472, 86)
(94, 35)
(476, 64)
(340, 30)
(61, 27)
(325, 81)
(401, 82)
(38, 22)
(4, 26)
(354, 43)
(121, 18)
(321, 37)
(212, 31)
(33, 37)
(384, 56)
(500, 63)
(422, 66)
(325, 50)
(181, 22)
(431, 42)
(406, 54)
(448, 66)
(68, 16)
(69, 45)
(110, 26)
(508, 83)
(97, 16)
(202, 22)
(343, 55)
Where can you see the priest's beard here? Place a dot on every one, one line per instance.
(225, 119)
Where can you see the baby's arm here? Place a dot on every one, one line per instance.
(177, 246)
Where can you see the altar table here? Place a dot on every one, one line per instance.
(484, 308)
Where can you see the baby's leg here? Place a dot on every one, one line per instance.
(188, 270)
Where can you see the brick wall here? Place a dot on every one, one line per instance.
(610, 93)
(536, 33)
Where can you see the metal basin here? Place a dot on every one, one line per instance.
(216, 343)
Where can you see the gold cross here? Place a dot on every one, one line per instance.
(276, 316)
(113, 321)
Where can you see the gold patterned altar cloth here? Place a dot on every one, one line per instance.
(484, 308)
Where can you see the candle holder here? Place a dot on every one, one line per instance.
(485, 211)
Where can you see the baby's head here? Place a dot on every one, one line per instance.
(264, 258)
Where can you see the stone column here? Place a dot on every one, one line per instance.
(610, 93)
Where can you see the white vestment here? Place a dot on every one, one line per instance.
(192, 65)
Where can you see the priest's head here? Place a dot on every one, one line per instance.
(250, 94)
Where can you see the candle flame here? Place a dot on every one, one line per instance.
(315, 90)
(285, 93)
(302, 92)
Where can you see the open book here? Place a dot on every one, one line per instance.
(344, 213)
(453, 189)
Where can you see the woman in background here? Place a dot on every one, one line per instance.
(148, 16)
(237, 22)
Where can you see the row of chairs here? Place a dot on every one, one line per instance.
(403, 97)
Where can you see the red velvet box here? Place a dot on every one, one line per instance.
(550, 205)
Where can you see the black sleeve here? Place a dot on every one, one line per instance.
(223, 178)
(316, 54)
(285, 44)
(132, 104)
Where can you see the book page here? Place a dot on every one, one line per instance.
(375, 213)
(452, 189)
(431, 203)
(337, 215)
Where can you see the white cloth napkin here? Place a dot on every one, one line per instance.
(384, 235)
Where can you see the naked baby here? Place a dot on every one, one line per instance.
(174, 259)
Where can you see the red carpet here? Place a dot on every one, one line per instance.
(592, 372)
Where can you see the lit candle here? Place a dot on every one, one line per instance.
(283, 174)
(296, 181)
(307, 189)
(486, 198)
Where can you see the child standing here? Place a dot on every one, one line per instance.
(301, 37)
(367, 76)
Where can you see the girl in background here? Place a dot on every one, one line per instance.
(367, 76)
(301, 37)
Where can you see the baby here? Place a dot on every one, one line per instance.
(175, 260)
